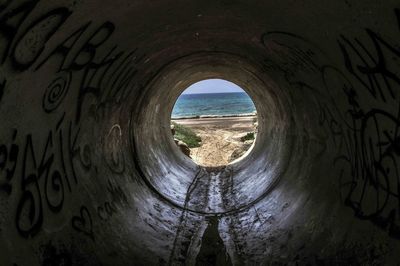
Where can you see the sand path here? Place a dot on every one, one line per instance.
(220, 138)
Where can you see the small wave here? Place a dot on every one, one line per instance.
(213, 116)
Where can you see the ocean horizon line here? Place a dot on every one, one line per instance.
(230, 92)
(212, 116)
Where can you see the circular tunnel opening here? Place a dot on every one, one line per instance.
(214, 122)
(172, 175)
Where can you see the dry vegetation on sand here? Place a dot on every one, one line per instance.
(223, 139)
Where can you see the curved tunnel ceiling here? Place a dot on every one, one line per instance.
(89, 174)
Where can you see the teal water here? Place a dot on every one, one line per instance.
(213, 104)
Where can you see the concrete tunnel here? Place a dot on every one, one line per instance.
(89, 172)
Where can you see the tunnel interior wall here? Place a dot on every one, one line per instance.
(86, 88)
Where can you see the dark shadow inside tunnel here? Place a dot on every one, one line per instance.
(213, 250)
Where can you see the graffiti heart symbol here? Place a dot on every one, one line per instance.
(83, 223)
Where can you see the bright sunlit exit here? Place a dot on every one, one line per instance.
(214, 122)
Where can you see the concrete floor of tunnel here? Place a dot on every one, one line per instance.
(207, 190)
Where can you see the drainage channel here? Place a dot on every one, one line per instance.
(198, 240)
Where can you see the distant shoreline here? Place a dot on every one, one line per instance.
(213, 116)
(213, 93)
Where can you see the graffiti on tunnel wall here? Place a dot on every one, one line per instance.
(26, 35)
(50, 167)
(113, 157)
(364, 127)
(83, 222)
(56, 91)
(373, 189)
(46, 175)
(118, 199)
(88, 70)
(2, 86)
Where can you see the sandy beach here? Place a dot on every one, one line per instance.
(220, 138)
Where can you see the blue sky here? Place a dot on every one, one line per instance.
(212, 86)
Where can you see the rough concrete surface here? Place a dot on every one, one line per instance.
(90, 174)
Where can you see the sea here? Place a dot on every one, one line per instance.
(213, 105)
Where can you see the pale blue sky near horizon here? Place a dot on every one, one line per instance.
(212, 86)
